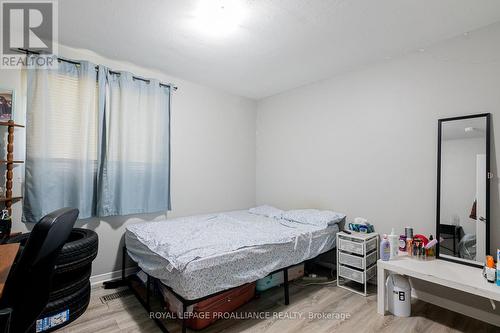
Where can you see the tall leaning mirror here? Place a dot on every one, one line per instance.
(463, 189)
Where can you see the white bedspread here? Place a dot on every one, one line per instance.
(183, 240)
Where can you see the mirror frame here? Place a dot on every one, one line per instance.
(487, 175)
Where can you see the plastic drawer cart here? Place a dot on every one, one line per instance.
(357, 255)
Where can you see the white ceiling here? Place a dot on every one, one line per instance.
(276, 44)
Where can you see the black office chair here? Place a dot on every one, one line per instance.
(28, 286)
(5, 320)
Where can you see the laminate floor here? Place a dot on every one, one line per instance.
(126, 315)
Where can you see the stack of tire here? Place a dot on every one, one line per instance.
(71, 282)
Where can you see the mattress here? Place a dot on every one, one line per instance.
(217, 272)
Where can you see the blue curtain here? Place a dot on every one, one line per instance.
(61, 140)
(134, 167)
(96, 142)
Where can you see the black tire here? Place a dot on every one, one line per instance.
(76, 303)
(79, 250)
(65, 284)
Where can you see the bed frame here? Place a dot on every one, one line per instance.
(146, 301)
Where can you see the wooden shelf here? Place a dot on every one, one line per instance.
(8, 123)
(8, 199)
(8, 162)
(4, 199)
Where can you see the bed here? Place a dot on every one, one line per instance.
(199, 256)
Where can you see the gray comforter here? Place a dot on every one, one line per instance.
(182, 240)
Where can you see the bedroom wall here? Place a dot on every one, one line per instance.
(365, 142)
(213, 154)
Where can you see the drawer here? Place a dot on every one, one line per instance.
(356, 275)
(356, 261)
(351, 260)
(371, 244)
(351, 273)
(353, 246)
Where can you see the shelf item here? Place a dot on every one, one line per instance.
(5, 199)
(9, 162)
(10, 123)
(357, 255)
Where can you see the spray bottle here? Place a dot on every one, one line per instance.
(394, 244)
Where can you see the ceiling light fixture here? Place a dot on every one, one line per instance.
(218, 18)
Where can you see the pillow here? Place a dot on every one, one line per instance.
(320, 218)
(266, 210)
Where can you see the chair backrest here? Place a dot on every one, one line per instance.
(28, 286)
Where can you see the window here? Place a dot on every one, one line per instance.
(123, 170)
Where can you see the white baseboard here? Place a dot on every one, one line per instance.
(464, 309)
(98, 279)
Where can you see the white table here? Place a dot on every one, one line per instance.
(456, 276)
